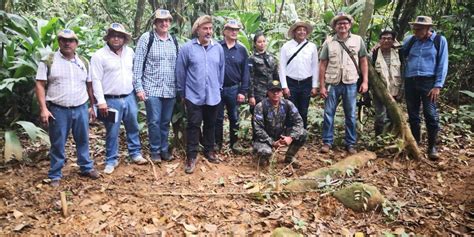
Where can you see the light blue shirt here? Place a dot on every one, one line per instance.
(200, 72)
(421, 61)
(158, 79)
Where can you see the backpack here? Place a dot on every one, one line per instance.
(151, 38)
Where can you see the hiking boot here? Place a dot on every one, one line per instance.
(325, 148)
(109, 169)
(93, 174)
(166, 156)
(351, 150)
(156, 158)
(211, 157)
(54, 183)
(138, 159)
(190, 165)
(293, 161)
(433, 153)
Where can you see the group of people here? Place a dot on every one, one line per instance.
(209, 77)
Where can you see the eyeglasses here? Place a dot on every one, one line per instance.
(343, 23)
(386, 39)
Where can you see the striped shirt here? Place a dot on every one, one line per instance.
(66, 82)
(159, 79)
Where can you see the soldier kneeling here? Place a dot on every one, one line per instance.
(277, 123)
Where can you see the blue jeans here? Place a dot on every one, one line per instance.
(127, 112)
(416, 92)
(229, 100)
(77, 120)
(300, 96)
(349, 100)
(158, 115)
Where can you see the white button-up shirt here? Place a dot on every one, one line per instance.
(66, 82)
(304, 65)
(111, 74)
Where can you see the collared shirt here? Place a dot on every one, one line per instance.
(66, 82)
(200, 72)
(304, 65)
(421, 61)
(159, 79)
(236, 67)
(111, 74)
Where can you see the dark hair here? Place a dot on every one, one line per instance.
(257, 35)
(387, 32)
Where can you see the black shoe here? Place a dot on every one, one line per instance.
(93, 174)
(190, 165)
(433, 153)
(166, 156)
(211, 157)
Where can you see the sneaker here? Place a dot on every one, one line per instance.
(325, 148)
(139, 160)
(190, 165)
(211, 157)
(54, 183)
(93, 174)
(166, 156)
(109, 169)
(156, 158)
(351, 150)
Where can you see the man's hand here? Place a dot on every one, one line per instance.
(44, 117)
(314, 92)
(252, 101)
(92, 115)
(363, 87)
(286, 140)
(240, 98)
(434, 94)
(286, 92)
(103, 110)
(141, 96)
(323, 93)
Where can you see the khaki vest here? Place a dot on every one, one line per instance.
(340, 65)
(390, 75)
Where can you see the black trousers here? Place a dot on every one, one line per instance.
(196, 115)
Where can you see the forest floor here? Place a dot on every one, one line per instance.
(428, 198)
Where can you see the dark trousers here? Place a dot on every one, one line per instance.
(300, 94)
(258, 99)
(416, 93)
(229, 102)
(196, 115)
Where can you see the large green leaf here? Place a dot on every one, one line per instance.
(10, 82)
(13, 147)
(34, 132)
(469, 93)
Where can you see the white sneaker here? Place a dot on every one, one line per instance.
(109, 169)
(139, 160)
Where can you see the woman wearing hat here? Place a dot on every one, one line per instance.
(299, 67)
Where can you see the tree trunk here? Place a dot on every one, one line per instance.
(366, 17)
(397, 117)
(404, 12)
(137, 23)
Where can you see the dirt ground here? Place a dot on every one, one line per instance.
(428, 198)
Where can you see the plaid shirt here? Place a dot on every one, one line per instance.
(159, 79)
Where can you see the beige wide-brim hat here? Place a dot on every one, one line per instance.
(291, 31)
(422, 20)
(68, 34)
(117, 27)
(341, 16)
(233, 24)
(201, 21)
(163, 14)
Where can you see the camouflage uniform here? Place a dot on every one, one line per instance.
(263, 70)
(270, 123)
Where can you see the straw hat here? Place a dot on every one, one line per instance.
(340, 16)
(232, 23)
(291, 31)
(422, 20)
(67, 34)
(163, 14)
(201, 21)
(117, 27)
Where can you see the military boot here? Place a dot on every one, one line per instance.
(290, 156)
(190, 165)
(432, 151)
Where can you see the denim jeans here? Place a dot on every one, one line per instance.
(66, 119)
(158, 115)
(416, 93)
(348, 92)
(196, 115)
(300, 96)
(229, 101)
(127, 112)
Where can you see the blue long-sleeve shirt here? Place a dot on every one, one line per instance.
(421, 60)
(237, 70)
(200, 72)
